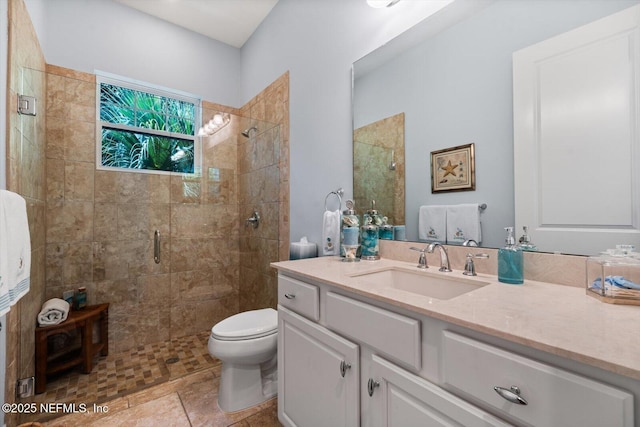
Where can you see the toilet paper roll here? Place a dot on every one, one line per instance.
(302, 249)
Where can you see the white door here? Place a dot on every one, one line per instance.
(576, 150)
(318, 375)
(402, 399)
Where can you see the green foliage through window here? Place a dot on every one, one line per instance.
(145, 130)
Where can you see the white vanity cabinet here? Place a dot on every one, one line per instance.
(402, 399)
(347, 360)
(320, 381)
(318, 375)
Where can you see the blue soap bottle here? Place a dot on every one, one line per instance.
(510, 261)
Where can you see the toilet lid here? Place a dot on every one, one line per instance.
(248, 324)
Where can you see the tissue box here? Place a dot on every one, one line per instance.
(614, 279)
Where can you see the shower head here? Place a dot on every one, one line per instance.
(247, 132)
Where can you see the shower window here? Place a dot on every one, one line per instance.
(145, 128)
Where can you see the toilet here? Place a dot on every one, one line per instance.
(246, 344)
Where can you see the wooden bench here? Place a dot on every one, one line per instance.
(82, 320)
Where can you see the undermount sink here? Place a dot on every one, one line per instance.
(420, 282)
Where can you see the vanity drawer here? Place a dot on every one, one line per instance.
(300, 297)
(395, 335)
(553, 396)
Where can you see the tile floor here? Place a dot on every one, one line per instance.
(189, 401)
(172, 383)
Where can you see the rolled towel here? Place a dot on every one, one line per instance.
(54, 311)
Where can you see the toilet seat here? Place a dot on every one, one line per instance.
(247, 325)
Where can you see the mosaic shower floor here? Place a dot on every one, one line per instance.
(117, 375)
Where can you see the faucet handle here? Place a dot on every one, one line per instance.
(422, 261)
(469, 267)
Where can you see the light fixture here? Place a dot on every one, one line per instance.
(381, 3)
(217, 122)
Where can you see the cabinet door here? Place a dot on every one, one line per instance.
(318, 375)
(401, 399)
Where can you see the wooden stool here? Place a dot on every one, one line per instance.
(82, 320)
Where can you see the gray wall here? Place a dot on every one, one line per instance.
(317, 41)
(456, 88)
(90, 35)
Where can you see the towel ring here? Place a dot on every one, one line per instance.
(335, 193)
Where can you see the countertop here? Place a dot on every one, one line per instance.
(560, 320)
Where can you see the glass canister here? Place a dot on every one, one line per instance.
(372, 217)
(350, 231)
(371, 222)
(386, 230)
(370, 246)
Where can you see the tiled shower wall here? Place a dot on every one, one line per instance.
(373, 146)
(264, 185)
(25, 176)
(100, 224)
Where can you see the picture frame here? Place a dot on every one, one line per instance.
(453, 169)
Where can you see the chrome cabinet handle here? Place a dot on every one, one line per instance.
(289, 296)
(512, 394)
(156, 246)
(371, 386)
(344, 366)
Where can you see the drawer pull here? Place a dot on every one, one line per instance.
(344, 366)
(371, 386)
(289, 296)
(512, 395)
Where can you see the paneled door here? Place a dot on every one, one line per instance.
(577, 156)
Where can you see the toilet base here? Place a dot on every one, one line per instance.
(243, 386)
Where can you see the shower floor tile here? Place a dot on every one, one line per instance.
(121, 374)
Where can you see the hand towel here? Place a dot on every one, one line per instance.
(53, 312)
(463, 223)
(331, 233)
(432, 223)
(15, 250)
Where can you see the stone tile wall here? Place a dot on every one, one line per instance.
(263, 181)
(373, 146)
(25, 175)
(101, 225)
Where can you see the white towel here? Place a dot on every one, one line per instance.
(432, 223)
(15, 250)
(53, 312)
(331, 233)
(463, 223)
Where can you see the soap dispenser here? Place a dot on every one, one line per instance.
(510, 261)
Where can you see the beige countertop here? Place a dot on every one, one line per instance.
(560, 320)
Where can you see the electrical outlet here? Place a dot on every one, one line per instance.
(24, 387)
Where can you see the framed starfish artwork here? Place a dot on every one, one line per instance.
(453, 169)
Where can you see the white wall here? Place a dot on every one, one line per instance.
(89, 35)
(317, 41)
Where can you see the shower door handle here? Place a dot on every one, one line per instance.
(156, 246)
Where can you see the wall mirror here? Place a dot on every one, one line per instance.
(450, 77)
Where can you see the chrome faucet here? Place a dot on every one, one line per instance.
(444, 256)
(470, 242)
(422, 262)
(469, 267)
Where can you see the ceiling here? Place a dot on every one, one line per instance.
(229, 21)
